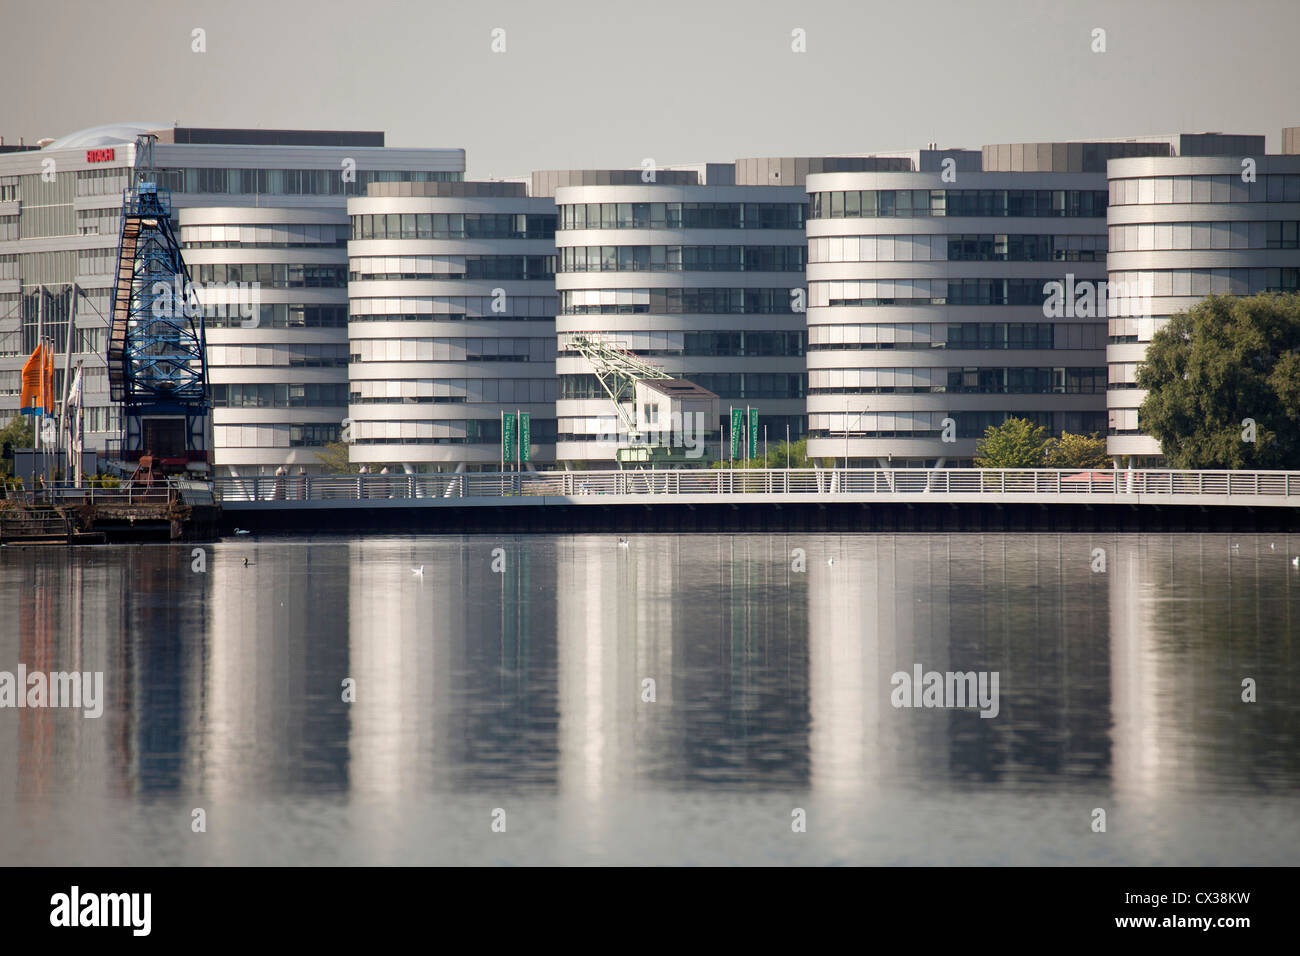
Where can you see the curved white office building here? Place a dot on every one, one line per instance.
(258, 206)
(698, 279)
(273, 286)
(1182, 228)
(927, 319)
(452, 323)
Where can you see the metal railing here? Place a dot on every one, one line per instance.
(33, 523)
(1056, 484)
(127, 493)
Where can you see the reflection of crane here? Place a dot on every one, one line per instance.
(618, 371)
(157, 363)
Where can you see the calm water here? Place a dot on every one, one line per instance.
(522, 691)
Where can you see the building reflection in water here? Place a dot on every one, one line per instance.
(227, 686)
(1191, 617)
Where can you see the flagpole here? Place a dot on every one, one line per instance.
(40, 361)
(67, 358)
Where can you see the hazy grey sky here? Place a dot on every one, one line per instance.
(606, 84)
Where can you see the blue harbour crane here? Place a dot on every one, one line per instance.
(157, 358)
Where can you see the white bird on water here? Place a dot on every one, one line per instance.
(830, 560)
(242, 531)
(418, 572)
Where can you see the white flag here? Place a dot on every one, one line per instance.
(74, 393)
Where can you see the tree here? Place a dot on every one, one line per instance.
(1223, 384)
(334, 459)
(793, 455)
(1076, 451)
(16, 434)
(1016, 443)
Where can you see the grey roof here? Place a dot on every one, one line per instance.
(677, 388)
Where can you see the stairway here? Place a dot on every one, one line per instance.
(34, 525)
(122, 306)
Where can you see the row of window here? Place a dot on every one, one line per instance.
(964, 335)
(734, 385)
(1202, 282)
(499, 307)
(683, 258)
(441, 391)
(284, 355)
(711, 344)
(468, 349)
(272, 435)
(292, 182)
(520, 268)
(969, 424)
(276, 275)
(105, 181)
(1272, 187)
(289, 235)
(97, 222)
(470, 225)
(682, 215)
(1180, 236)
(958, 248)
(468, 431)
(311, 395)
(607, 428)
(911, 203)
(678, 301)
(278, 316)
(871, 292)
(447, 317)
(978, 381)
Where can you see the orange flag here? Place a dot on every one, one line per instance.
(38, 383)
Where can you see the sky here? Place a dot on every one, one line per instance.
(584, 84)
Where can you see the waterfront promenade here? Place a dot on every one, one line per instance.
(736, 499)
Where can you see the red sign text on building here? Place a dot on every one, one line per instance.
(99, 155)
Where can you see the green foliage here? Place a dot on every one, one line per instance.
(1076, 451)
(1213, 367)
(1016, 443)
(334, 458)
(17, 433)
(793, 455)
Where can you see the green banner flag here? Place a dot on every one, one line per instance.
(753, 433)
(525, 435)
(508, 438)
(737, 428)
